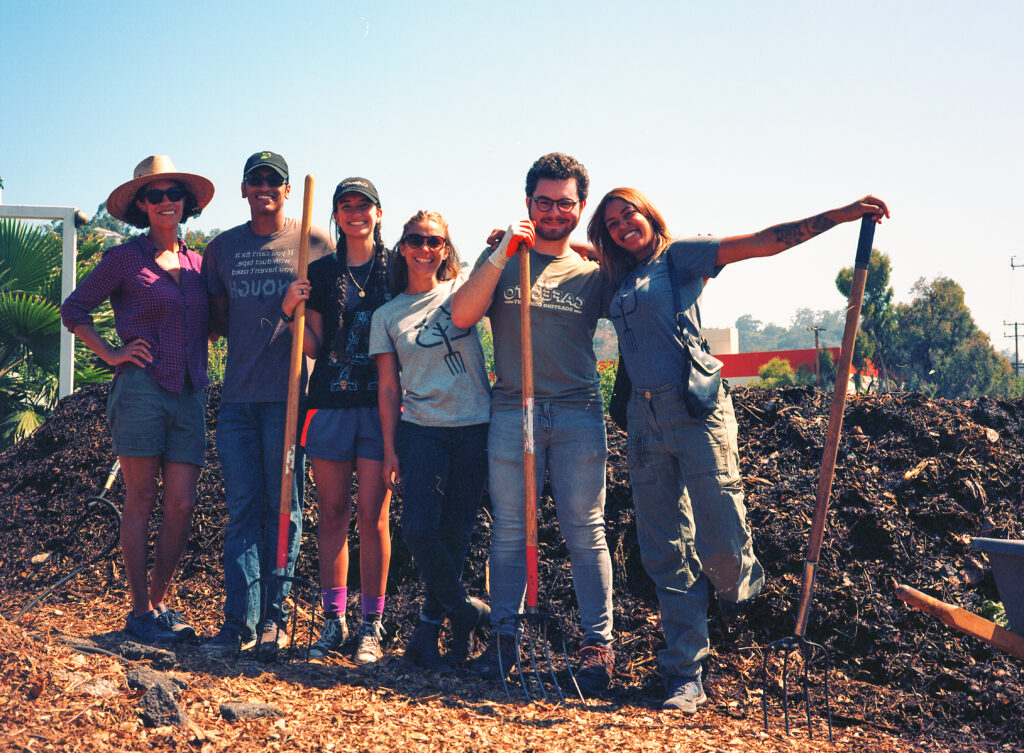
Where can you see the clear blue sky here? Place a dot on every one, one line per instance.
(731, 116)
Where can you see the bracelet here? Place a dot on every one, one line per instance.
(286, 318)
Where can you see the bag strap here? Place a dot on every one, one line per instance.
(680, 314)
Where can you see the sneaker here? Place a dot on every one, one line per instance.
(371, 634)
(272, 639)
(226, 643)
(489, 666)
(422, 650)
(332, 635)
(173, 621)
(684, 694)
(148, 628)
(597, 663)
(465, 619)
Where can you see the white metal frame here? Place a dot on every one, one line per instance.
(66, 370)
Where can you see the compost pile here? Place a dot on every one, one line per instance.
(916, 479)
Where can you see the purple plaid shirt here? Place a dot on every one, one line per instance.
(148, 304)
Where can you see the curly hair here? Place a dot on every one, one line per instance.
(616, 261)
(137, 218)
(446, 271)
(558, 166)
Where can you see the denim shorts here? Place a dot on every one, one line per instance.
(343, 434)
(146, 420)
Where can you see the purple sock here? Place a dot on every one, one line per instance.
(372, 605)
(334, 599)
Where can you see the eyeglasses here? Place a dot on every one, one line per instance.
(433, 242)
(156, 195)
(544, 204)
(271, 179)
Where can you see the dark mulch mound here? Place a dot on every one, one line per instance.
(916, 479)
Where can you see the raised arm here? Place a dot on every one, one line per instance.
(471, 301)
(778, 238)
(389, 402)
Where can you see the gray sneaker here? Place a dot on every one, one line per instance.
(683, 694)
(371, 635)
(273, 638)
(173, 621)
(147, 628)
(332, 635)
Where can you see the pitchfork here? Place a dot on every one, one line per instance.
(532, 626)
(272, 583)
(798, 641)
(96, 503)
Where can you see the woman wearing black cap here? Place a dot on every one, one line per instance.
(342, 431)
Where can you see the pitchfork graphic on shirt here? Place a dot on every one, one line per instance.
(438, 334)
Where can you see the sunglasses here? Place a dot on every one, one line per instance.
(272, 179)
(415, 240)
(544, 204)
(156, 195)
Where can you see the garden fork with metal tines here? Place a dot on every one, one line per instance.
(798, 641)
(532, 627)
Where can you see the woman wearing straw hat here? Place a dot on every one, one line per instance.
(156, 408)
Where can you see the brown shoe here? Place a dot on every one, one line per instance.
(597, 663)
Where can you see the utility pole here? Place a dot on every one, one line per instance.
(817, 353)
(1016, 344)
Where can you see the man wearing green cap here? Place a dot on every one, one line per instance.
(247, 270)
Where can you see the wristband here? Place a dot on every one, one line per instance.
(498, 257)
(286, 318)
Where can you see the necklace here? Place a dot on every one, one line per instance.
(362, 292)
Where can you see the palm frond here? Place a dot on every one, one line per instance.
(29, 256)
(32, 322)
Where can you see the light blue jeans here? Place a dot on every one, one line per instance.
(571, 447)
(250, 445)
(691, 521)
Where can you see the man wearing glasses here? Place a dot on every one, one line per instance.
(568, 296)
(247, 270)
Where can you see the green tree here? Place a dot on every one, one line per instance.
(30, 265)
(877, 336)
(776, 373)
(942, 352)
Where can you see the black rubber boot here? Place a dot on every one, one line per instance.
(422, 649)
(465, 619)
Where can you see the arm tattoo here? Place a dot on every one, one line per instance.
(793, 233)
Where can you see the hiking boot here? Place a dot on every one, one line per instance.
(332, 635)
(488, 667)
(148, 628)
(226, 643)
(272, 639)
(371, 635)
(173, 621)
(422, 650)
(683, 694)
(597, 663)
(465, 619)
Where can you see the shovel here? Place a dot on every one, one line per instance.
(532, 626)
(798, 641)
(280, 574)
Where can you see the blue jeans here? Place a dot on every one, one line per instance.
(250, 445)
(571, 447)
(690, 517)
(443, 474)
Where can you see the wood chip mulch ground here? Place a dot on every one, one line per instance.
(916, 480)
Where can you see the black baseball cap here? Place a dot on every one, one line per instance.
(357, 185)
(266, 159)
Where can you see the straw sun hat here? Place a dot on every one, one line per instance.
(153, 168)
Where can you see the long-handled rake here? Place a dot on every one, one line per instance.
(302, 589)
(98, 504)
(532, 627)
(798, 641)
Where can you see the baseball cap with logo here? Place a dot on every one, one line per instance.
(357, 185)
(266, 159)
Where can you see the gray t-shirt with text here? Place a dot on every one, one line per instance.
(568, 295)
(252, 272)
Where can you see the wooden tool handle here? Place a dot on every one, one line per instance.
(964, 621)
(294, 383)
(529, 451)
